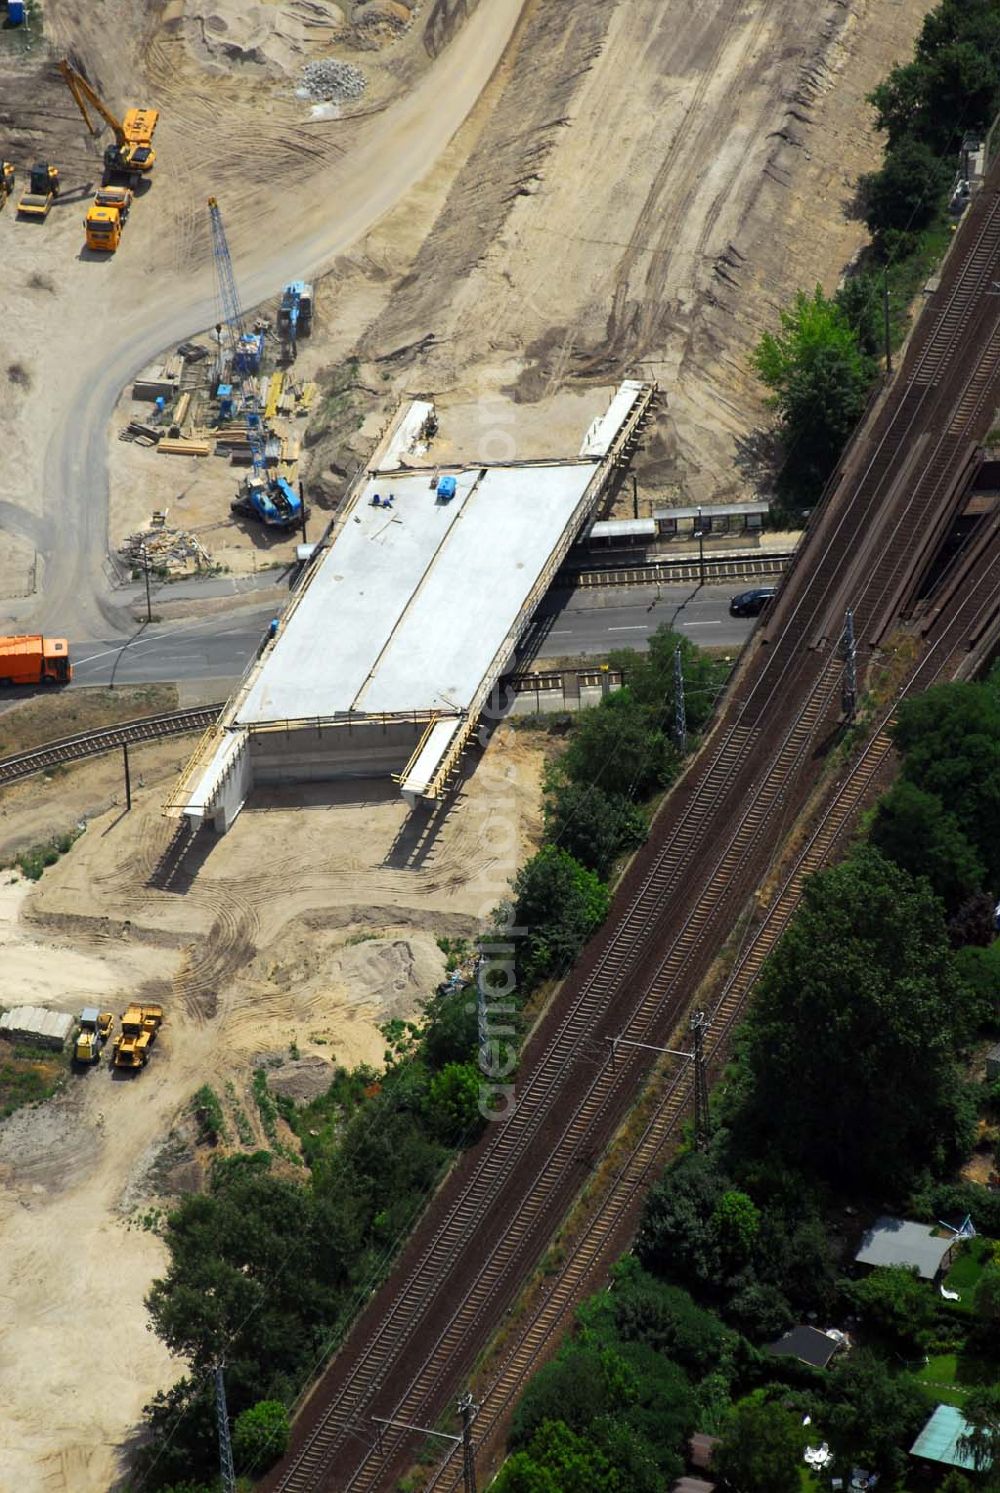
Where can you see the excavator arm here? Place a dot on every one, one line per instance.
(84, 96)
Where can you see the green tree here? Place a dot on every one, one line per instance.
(618, 747)
(760, 1450)
(898, 1304)
(735, 1224)
(644, 1309)
(900, 102)
(849, 1066)
(986, 1297)
(914, 829)
(451, 1034)
(907, 192)
(676, 1236)
(260, 1436)
(580, 1384)
(559, 903)
(819, 378)
(860, 299)
(650, 677)
(981, 1442)
(949, 738)
(979, 974)
(592, 826)
(453, 1101)
(872, 1414)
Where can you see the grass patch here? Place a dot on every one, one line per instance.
(33, 861)
(947, 1378)
(33, 722)
(974, 1255)
(207, 1109)
(28, 1075)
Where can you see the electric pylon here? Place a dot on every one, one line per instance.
(680, 712)
(702, 1119)
(226, 1469)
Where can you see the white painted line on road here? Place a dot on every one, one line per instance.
(561, 632)
(716, 623)
(633, 627)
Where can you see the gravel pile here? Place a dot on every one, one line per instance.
(332, 80)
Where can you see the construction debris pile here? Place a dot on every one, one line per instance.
(332, 81)
(167, 552)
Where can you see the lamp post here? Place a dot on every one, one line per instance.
(700, 536)
(145, 571)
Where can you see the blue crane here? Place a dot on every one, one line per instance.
(270, 499)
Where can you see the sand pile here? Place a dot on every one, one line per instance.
(274, 38)
(330, 80)
(379, 22)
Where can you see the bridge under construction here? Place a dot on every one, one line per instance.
(390, 650)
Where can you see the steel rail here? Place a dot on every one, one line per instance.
(105, 739)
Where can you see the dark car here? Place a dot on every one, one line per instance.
(751, 603)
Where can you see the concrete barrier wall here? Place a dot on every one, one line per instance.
(311, 754)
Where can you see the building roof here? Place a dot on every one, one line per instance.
(938, 1440)
(692, 1485)
(713, 510)
(897, 1241)
(411, 604)
(807, 1344)
(37, 1023)
(623, 528)
(700, 1449)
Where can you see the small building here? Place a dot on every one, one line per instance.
(938, 1441)
(38, 1025)
(808, 1345)
(993, 1064)
(715, 519)
(701, 1448)
(897, 1241)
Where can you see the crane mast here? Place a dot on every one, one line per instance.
(269, 498)
(233, 322)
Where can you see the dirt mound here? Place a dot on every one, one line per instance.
(379, 22)
(275, 38)
(391, 975)
(301, 1080)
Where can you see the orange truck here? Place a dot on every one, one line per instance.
(34, 660)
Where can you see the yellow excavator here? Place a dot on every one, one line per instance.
(132, 154)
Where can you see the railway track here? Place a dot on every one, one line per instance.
(667, 572)
(619, 1205)
(715, 842)
(105, 739)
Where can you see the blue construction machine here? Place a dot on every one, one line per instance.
(263, 496)
(294, 317)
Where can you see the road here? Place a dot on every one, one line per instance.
(586, 623)
(398, 149)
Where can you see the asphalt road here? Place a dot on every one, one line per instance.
(586, 623)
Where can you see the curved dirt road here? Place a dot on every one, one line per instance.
(322, 216)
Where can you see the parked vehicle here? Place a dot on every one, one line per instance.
(34, 660)
(95, 1029)
(140, 1025)
(751, 603)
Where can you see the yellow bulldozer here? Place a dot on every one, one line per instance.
(140, 1025)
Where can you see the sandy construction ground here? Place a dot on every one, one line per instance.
(298, 933)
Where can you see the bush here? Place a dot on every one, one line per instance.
(260, 1436)
(559, 903)
(208, 1113)
(592, 826)
(453, 1102)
